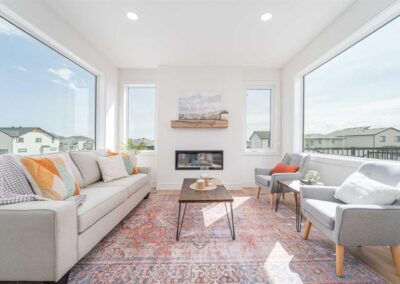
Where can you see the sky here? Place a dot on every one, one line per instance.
(258, 111)
(41, 88)
(360, 87)
(141, 112)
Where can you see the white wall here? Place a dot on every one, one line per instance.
(360, 19)
(175, 81)
(38, 19)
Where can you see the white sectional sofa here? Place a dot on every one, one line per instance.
(43, 240)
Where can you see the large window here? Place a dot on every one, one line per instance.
(141, 115)
(47, 101)
(352, 102)
(258, 119)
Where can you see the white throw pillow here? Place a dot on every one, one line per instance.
(359, 189)
(112, 168)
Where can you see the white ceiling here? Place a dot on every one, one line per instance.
(199, 32)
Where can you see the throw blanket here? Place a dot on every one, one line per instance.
(14, 186)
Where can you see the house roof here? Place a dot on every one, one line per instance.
(146, 141)
(358, 131)
(262, 134)
(19, 131)
(346, 132)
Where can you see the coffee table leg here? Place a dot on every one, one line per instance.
(298, 212)
(278, 196)
(231, 227)
(180, 222)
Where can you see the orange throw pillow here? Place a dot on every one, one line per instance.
(282, 168)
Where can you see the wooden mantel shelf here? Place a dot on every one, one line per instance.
(199, 123)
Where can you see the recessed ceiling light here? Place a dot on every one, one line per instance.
(132, 16)
(266, 17)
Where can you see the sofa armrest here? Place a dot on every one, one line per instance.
(144, 170)
(319, 192)
(38, 240)
(372, 225)
(262, 171)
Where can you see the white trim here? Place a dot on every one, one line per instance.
(370, 27)
(274, 142)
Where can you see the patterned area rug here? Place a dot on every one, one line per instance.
(267, 249)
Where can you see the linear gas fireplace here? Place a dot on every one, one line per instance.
(195, 160)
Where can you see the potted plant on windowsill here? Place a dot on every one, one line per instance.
(224, 114)
(131, 147)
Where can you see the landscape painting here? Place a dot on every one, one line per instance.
(200, 107)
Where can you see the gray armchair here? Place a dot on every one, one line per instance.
(355, 225)
(267, 181)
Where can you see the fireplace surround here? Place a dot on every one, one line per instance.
(196, 159)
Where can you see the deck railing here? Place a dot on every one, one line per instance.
(384, 153)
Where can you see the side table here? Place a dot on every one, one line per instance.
(292, 186)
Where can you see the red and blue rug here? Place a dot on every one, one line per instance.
(267, 249)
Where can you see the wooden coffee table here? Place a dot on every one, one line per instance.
(219, 195)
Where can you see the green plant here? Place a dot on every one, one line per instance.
(224, 111)
(131, 147)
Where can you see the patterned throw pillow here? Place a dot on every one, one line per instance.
(129, 161)
(51, 177)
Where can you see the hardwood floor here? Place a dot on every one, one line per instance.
(378, 258)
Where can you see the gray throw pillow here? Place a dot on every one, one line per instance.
(14, 186)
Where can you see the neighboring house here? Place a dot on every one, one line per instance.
(149, 143)
(260, 140)
(75, 143)
(27, 141)
(360, 137)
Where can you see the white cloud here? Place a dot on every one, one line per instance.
(20, 68)
(10, 30)
(66, 78)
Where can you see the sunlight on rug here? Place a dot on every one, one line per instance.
(267, 249)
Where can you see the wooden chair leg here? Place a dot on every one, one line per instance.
(339, 260)
(258, 193)
(307, 230)
(395, 250)
(283, 195)
(271, 200)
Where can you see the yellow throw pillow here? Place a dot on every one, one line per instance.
(129, 161)
(51, 177)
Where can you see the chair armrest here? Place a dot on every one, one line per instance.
(38, 240)
(262, 171)
(319, 192)
(372, 225)
(144, 170)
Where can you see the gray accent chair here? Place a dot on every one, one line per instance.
(267, 181)
(355, 225)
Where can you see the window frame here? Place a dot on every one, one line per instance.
(338, 50)
(126, 116)
(99, 82)
(20, 140)
(273, 150)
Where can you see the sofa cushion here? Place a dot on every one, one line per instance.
(264, 180)
(99, 202)
(323, 211)
(131, 183)
(86, 161)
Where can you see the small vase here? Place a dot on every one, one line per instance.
(224, 116)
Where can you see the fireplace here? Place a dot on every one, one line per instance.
(195, 160)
